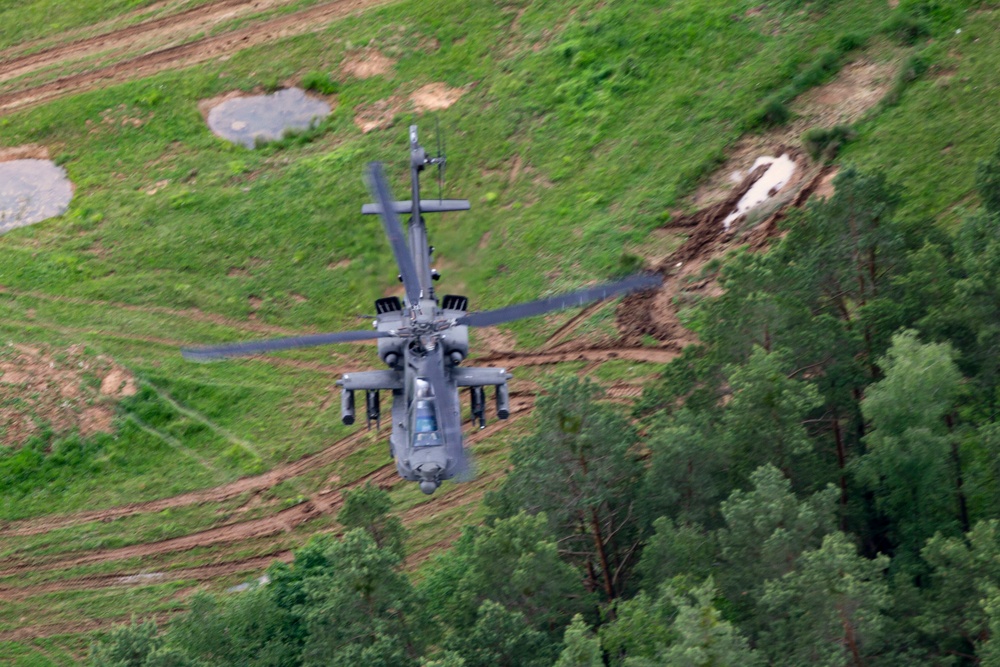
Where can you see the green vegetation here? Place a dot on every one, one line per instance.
(822, 487)
(825, 143)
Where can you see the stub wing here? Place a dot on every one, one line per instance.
(479, 377)
(371, 380)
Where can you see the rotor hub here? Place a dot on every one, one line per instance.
(422, 328)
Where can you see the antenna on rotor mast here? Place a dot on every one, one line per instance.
(440, 160)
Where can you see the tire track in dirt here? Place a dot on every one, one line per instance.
(185, 55)
(256, 483)
(79, 627)
(560, 334)
(199, 573)
(119, 22)
(190, 313)
(624, 391)
(281, 522)
(150, 33)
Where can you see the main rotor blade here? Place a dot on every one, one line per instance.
(276, 344)
(639, 281)
(394, 230)
(448, 411)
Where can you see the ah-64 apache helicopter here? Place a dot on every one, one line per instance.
(423, 341)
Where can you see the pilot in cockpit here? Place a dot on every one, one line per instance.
(424, 416)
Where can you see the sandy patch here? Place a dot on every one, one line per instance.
(857, 89)
(366, 63)
(824, 188)
(58, 390)
(435, 96)
(118, 382)
(25, 152)
(378, 115)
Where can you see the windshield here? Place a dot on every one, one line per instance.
(424, 420)
(423, 416)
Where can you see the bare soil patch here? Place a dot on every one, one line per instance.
(177, 55)
(655, 312)
(857, 88)
(435, 96)
(65, 391)
(25, 152)
(378, 115)
(366, 63)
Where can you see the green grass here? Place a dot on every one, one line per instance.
(23, 654)
(25, 21)
(135, 529)
(943, 125)
(65, 606)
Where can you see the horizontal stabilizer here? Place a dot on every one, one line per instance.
(426, 206)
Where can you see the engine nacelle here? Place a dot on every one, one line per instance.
(456, 343)
(455, 339)
(389, 318)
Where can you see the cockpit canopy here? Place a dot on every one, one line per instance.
(423, 416)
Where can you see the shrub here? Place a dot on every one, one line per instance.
(825, 143)
(911, 69)
(320, 83)
(772, 112)
(905, 28)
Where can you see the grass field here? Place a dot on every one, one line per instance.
(582, 127)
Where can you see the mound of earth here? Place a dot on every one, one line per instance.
(65, 391)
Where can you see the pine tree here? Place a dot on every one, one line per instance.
(912, 464)
(767, 529)
(829, 611)
(580, 470)
(582, 647)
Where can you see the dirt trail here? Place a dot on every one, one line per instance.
(217, 494)
(191, 313)
(334, 452)
(283, 521)
(119, 579)
(184, 55)
(324, 502)
(654, 313)
(79, 627)
(145, 36)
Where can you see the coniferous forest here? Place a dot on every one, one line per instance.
(817, 482)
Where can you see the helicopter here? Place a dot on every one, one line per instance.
(423, 340)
